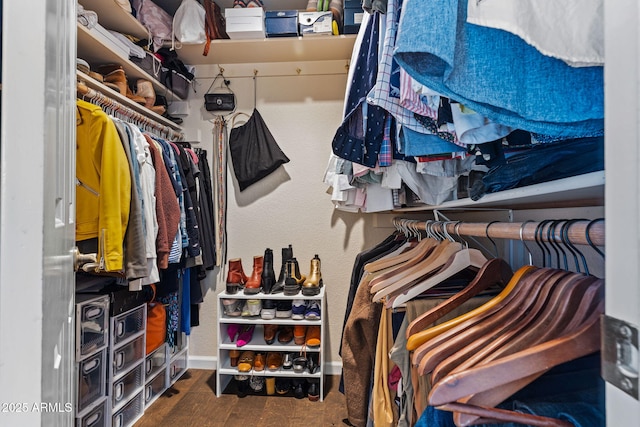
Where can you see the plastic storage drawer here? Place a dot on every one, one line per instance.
(156, 362)
(92, 324)
(97, 417)
(178, 366)
(91, 379)
(128, 355)
(155, 387)
(124, 388)
(129, 413)
(127, 325)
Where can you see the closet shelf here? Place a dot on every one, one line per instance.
(96, 53)
(90, 83)
(576, 191)
(114, 17)
(282, 49)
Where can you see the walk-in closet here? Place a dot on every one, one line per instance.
(332, 212)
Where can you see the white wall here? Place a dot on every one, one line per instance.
(291, 205)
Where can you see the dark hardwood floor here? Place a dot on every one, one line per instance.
(192, 402)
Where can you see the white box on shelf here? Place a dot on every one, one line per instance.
(315, 23)
(245, 23)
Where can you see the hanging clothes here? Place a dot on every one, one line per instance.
(106, 218)
(440, 50)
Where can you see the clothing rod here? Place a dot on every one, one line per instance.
(137, 116)
(512, 230)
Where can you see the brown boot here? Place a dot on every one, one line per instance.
(254, 284)
(312, 284)
(236, 278)
(116, 76)
(145, 89)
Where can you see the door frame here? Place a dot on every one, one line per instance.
(37, 166)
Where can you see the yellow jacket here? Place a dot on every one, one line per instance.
(103, 185)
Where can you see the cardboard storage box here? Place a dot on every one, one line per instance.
(353, 15)
(245, 22)
(282, 23)
(315, 23)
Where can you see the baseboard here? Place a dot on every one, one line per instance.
(203, 362)
(211, 362)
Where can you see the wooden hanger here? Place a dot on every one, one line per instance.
(409, 256)
(590, 301)
(546, 317)
(459, 261)
(522, 365)
(517, 368)
(583, 341)
(494, 271)
(488, 325)
(435, 260)
(417, 339)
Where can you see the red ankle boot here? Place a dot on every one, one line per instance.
(254, 284)
(236, 278)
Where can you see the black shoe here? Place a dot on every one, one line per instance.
(283, 309)
(283, 385)
(268, 275)
(287, 254)
(313, 392)
(291, 285)
(242, 385)
(299, 389)
(312, 364)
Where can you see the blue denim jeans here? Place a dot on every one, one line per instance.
(545, 162)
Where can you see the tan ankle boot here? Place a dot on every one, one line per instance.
(144, 88)
(118, 78)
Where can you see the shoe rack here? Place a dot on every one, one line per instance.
(225, 372)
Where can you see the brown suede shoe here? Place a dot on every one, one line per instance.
(299, 333)
(270, 333)
(258, 362)
(286, 335)
(313, 336)
(274, 361)
(245, 364)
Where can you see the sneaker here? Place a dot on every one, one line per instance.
(251, 308)
(232, 307)
(283, 309)
(298, 309)
(256, 384)
(268, 311)
(313, 311)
